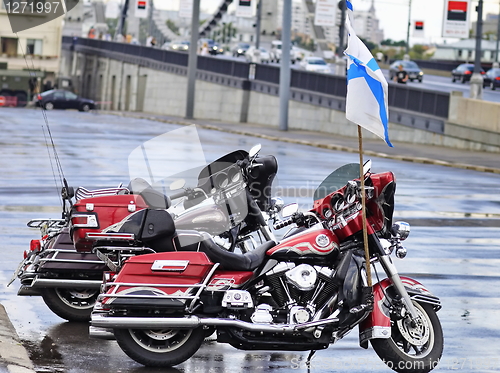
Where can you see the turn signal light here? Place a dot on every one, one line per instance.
(35, 245)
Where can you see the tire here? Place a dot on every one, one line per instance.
(70, 304)
(153, 348)
(453, 79)
(85, 108)
(411, 80)
(392, 350)
(492, 86)
(22, 98)
(49, 106)
(420, 80)
(463, 80)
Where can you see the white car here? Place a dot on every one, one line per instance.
(316, 64)
(275, 53)
(262, 55)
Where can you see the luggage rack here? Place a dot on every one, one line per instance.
(47, 226)
(122, 253)
(82, 193)
(184, 297)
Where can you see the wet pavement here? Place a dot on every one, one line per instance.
(454, 247)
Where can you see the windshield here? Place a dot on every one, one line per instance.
(336, 180)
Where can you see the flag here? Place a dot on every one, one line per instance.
(366, 101)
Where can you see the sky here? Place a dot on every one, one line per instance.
(393, 15)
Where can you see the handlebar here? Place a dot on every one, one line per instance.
(178, 195)
(283, 223)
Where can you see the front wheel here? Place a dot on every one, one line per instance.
(70, 304)
(160, 348)
(412, 348)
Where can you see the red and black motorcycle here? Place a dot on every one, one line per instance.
(302, 294)
(231, 201)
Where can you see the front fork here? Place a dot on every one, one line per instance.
(392, 273)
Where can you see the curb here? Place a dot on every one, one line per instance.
(313, 143)
(13, 356)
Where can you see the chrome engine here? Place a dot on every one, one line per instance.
(299, 292)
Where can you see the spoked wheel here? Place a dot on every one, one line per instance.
(160, 348)
(70, 304)
(412, 348)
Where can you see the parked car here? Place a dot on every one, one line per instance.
(179, 46)
(414, 72)
(275, 52)
(240, 49)
(316, 64)
(264, 54)
(463, 72)
(492, 78)
(61, 99)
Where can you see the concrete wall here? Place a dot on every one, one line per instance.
(122, 86)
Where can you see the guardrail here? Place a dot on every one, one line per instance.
(426, 103)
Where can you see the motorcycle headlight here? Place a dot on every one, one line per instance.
(401, 229)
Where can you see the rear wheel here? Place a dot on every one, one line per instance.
(492, 86)
(463, 79)
(412, 348)
(49, 106)
(160, 348)
(85, 107)
(70, 304)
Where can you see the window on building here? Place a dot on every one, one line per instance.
(459, 53)
(469, 54)
(9, 46)
(34, 46)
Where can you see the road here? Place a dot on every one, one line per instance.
(458, 261)
(430, 82)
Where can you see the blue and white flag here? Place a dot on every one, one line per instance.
(366, 101)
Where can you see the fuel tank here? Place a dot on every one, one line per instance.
(310, 245)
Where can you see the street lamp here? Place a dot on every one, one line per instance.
(476, 80)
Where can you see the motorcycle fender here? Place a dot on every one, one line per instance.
(378, 323)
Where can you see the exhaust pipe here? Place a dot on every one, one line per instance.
(191, 322)
(101, 333)
(56, 283)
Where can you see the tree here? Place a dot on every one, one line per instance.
(172, 26)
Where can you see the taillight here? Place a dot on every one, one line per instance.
(467, 72)
(25, 254)
(84, 221)
(482, 73)
(497, 78)
(35, 245)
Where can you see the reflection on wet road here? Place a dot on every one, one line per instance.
(454, 247)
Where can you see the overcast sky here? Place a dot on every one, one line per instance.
(393, 15)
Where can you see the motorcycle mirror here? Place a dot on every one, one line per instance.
(177, 184)
(277, 203)
(289, 210)
(254, 151)
(367, 166)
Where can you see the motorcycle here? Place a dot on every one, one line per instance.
(62, 268)
(302, 294)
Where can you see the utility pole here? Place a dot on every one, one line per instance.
(121, 24)
(476, 80)
(257, 24)
(342, 6)
(497, 60)
(193, 59)
(285, 72)
(408, 29)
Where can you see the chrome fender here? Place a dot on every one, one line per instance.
(378, 322)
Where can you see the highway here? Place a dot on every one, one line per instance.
(457, 262)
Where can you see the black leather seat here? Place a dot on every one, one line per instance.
(151, 196)
(187, 241)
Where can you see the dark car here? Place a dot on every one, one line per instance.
(414, 72)
(211, 45)
(463, 72)
(492, 78)
(240, 49)
(61, 99)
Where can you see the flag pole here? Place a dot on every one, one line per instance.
(363, 210)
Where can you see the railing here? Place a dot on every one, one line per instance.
(417, 100)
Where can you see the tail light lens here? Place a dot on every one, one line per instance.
(35, 245)
(84, 221)
(467, 72)
(497, 78)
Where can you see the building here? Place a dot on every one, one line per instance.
(42, 43)
(465, 50)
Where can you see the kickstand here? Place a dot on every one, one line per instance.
(308, 362)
